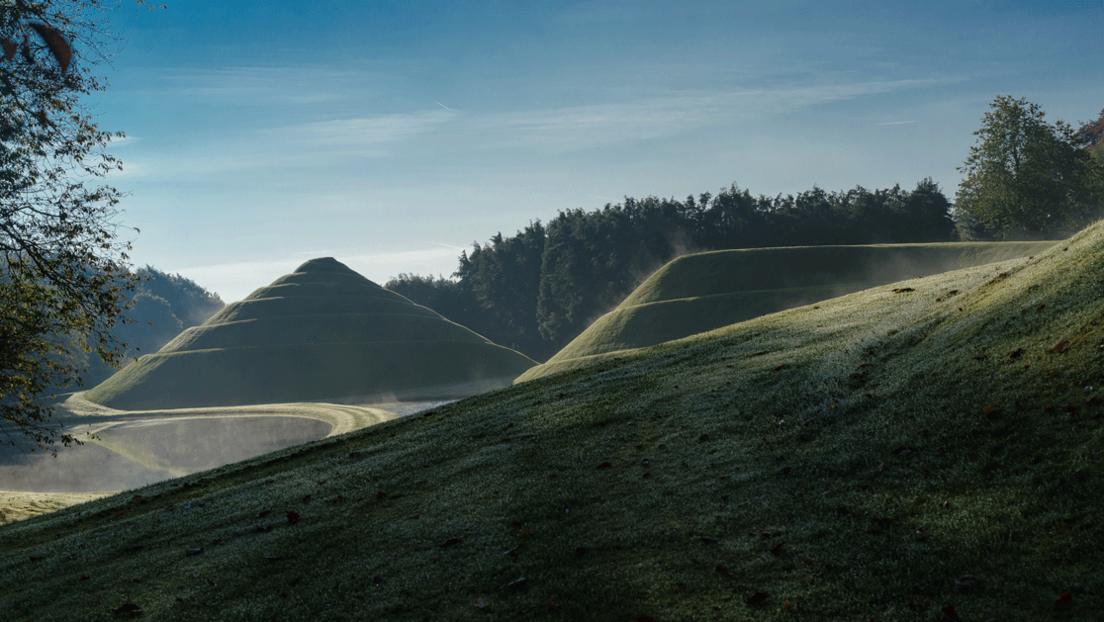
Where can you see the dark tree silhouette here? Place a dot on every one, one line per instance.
(62, 267)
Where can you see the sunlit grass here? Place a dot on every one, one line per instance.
(703, 291)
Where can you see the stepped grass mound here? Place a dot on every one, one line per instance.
(321, 333)
(703, 291)
(928, 450)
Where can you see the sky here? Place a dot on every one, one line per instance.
(393, 134)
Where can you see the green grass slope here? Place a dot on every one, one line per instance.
(885, 455)
(703, 291)
(320, 333)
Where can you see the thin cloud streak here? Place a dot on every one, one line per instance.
(315, 143)
(575, 127)
(263, 86)
(361, 132)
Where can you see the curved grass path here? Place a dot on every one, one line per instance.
(342, 418)
(126, 449)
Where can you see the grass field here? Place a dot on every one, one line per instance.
(927, 450)
(702, 291)
(16, 505)
(322, 333)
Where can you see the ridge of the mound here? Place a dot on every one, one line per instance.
(918, 451)
(322, 332)
(699, 292)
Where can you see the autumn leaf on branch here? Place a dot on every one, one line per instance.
(59, 47)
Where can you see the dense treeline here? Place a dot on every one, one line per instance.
(537, 289)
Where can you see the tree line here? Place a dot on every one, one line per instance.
(537, 289)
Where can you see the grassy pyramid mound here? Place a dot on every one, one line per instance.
(926, 450)
(702, 291)
(323, 332)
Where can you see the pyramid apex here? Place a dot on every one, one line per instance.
(323, 264)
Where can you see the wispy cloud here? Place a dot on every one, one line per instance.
(265, 86)
(365, 132)
(575, 127)
(896, 123)
(343, 139)
(313, 143)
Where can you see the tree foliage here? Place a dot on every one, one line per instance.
(1025, 177)
(63, 276)
(536, 290)
(1091, 136)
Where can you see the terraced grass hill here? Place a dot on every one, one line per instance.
(927, 450)
(702, 291)
(321, 333)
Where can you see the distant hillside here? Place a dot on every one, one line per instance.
(702, 291)
(926, 450)
(162, 305)
(322, 332)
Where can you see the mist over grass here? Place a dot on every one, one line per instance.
(703, 291)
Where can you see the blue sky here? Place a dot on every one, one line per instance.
(392, 134)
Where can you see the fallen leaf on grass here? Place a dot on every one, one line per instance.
(452, 542)
(1061, 347)
(1064, 601)
(967, 584)
(756, 599)
(127, 610)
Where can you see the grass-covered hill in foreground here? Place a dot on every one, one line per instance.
(323, 332)
(702, 291)
(889, 454)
